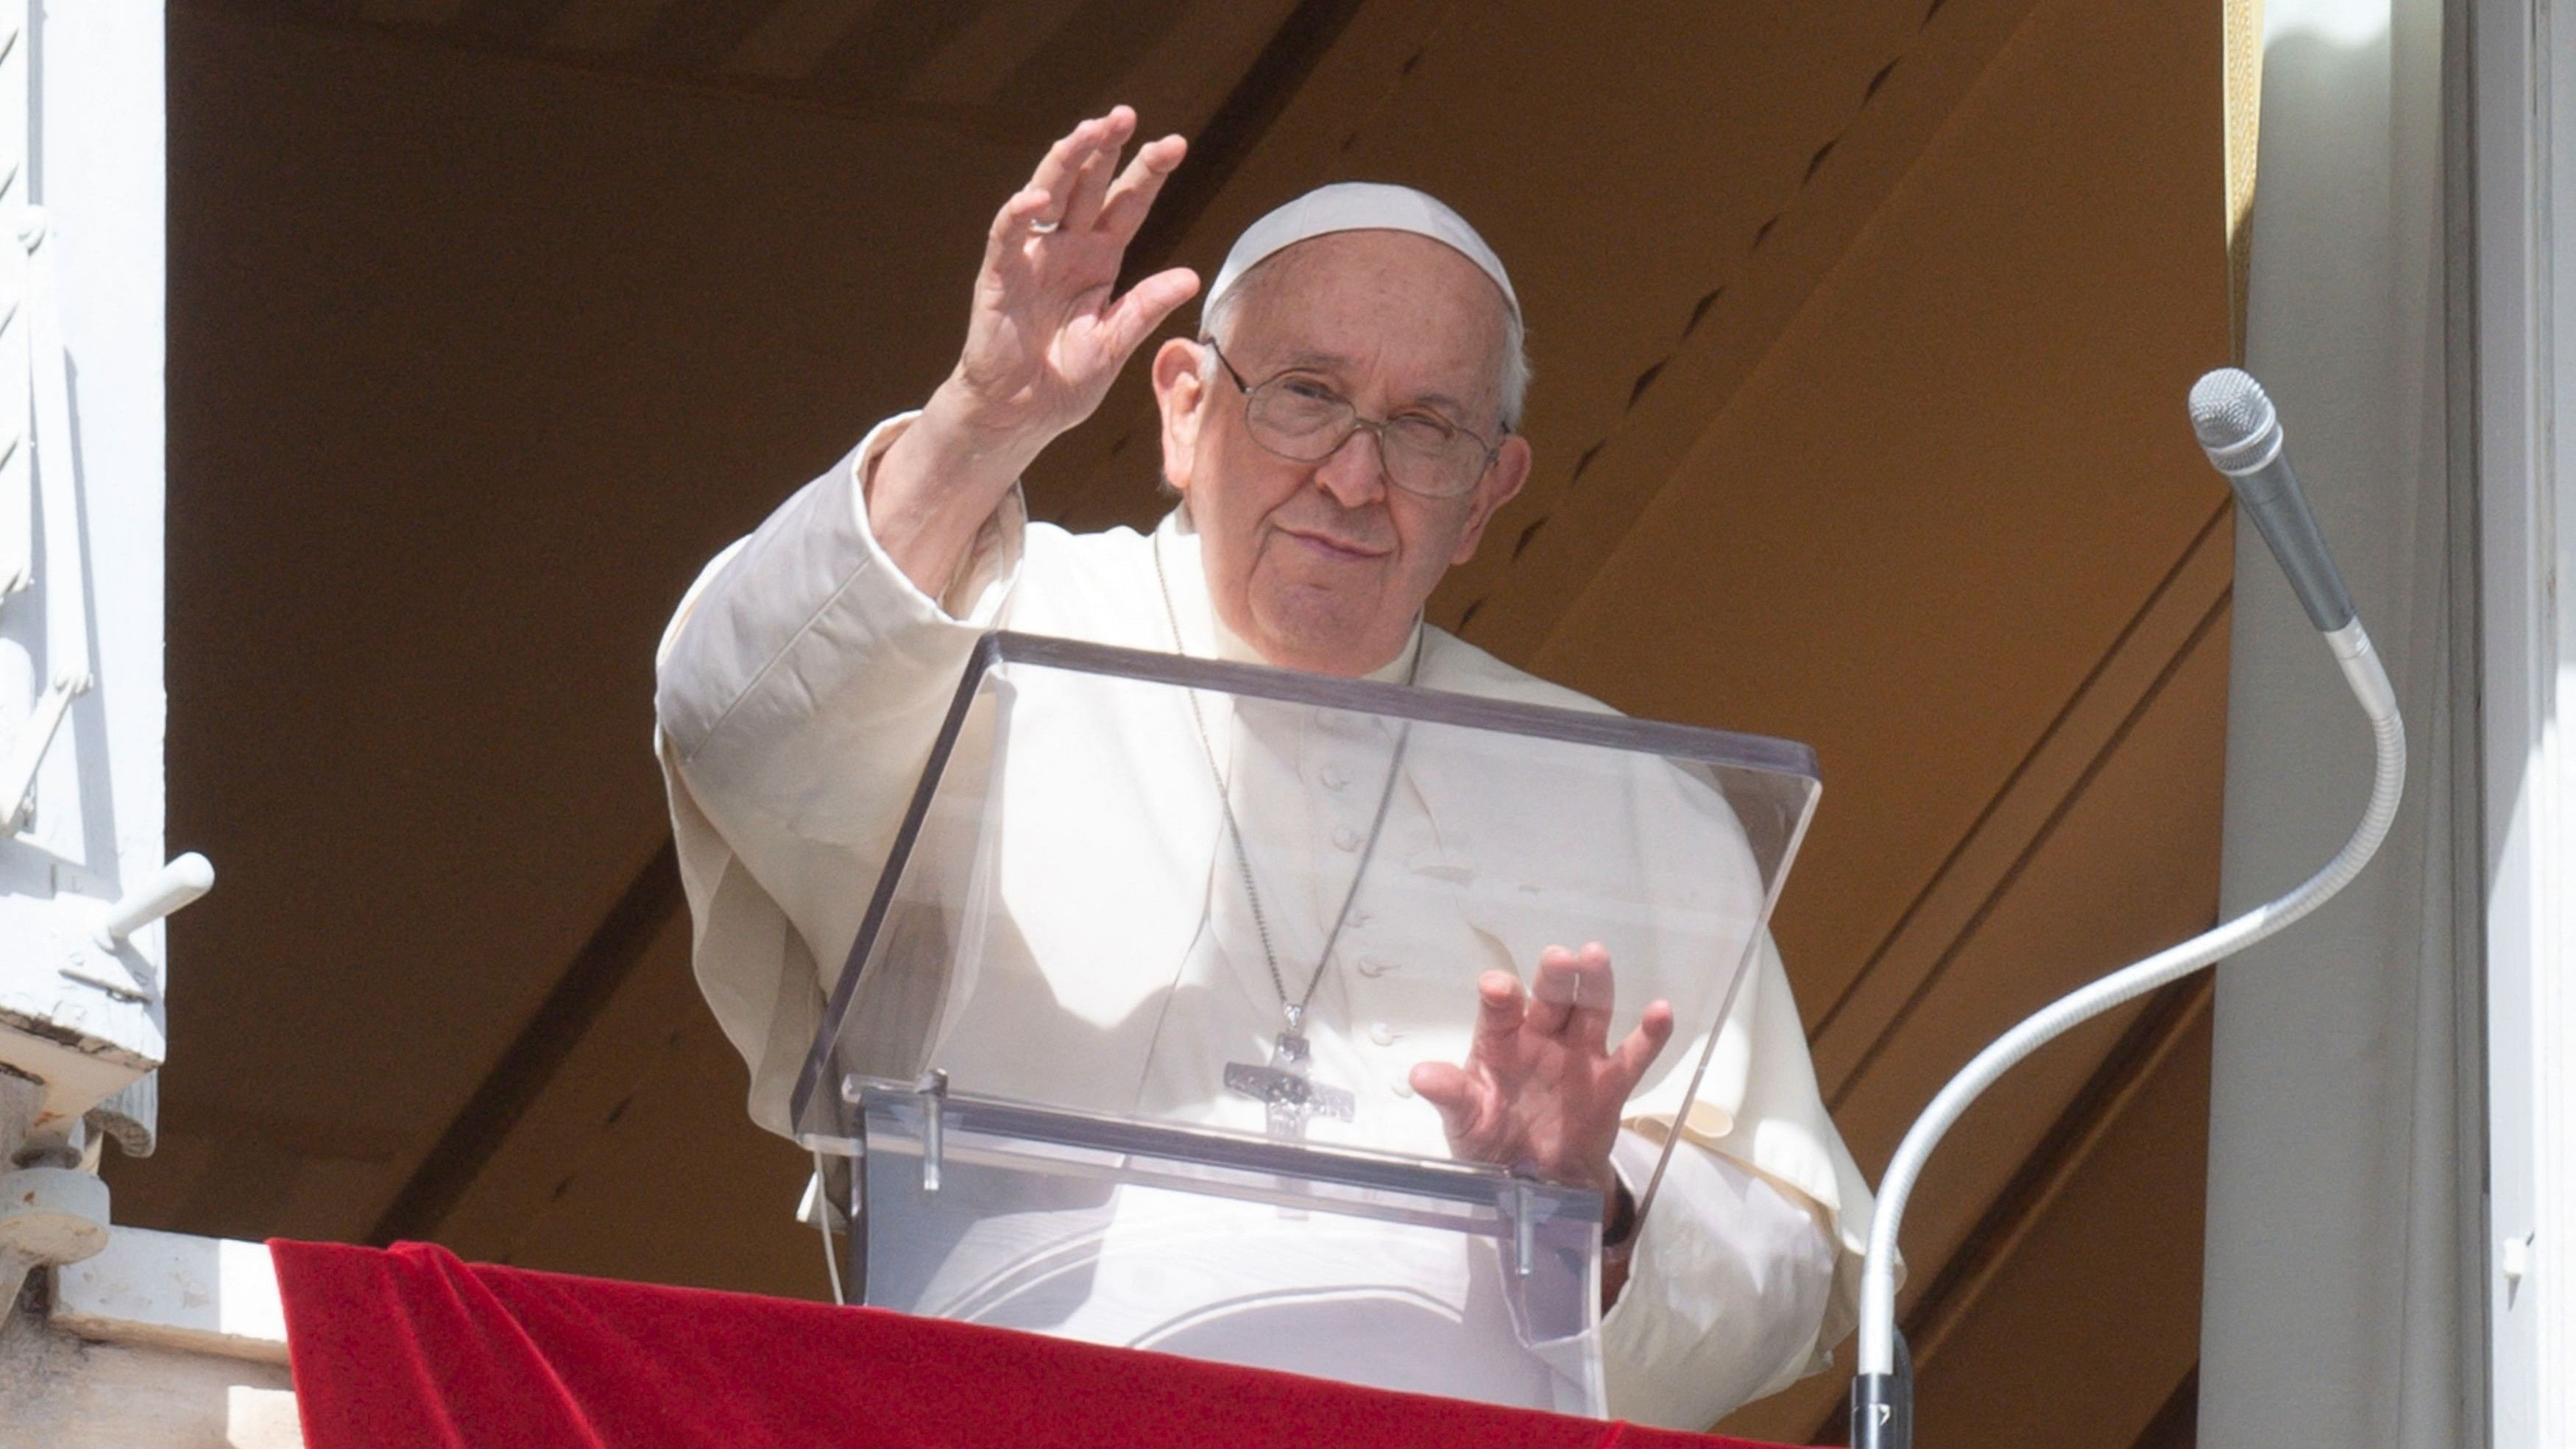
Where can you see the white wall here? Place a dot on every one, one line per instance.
(97, 171)
(2343, 1136)
(2524, 120)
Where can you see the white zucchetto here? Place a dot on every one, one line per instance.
(1357, 206)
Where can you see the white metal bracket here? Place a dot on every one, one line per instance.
(166, 890)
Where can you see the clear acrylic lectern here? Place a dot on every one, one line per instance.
(1124, 1049)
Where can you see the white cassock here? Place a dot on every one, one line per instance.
(801, 683)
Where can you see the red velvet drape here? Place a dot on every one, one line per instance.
(410, 1347)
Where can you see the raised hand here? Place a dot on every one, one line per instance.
(1044, 339)
(1542, 1088)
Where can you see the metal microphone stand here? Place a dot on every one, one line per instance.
(2242, 434)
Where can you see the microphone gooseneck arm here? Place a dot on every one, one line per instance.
(2237, 426)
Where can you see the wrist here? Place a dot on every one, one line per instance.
(973, 440)
(932, 489)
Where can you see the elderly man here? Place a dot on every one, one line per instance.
(1340, 435)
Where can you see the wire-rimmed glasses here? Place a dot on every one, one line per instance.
(1296, 416)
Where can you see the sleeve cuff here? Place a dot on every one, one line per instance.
(1727, 1287)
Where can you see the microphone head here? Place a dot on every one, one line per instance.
(2235, 421)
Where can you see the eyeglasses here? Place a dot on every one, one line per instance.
(1294, 415)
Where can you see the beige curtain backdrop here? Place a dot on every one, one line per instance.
(2339, 1126)
(2243, 57)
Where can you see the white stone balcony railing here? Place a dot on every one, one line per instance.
(161, 1341)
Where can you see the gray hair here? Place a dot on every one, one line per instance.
(1513, 369)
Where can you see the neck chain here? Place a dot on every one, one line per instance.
(1295, 1010)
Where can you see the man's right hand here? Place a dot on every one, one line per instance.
(1043, 342)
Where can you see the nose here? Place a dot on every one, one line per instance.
(1355, 472)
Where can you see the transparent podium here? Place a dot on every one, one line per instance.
(1134, 1039)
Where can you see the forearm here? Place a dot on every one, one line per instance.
(938, 484)
(804, 652)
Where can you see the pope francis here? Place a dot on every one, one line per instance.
(1340, 433)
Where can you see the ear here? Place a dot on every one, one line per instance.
(1500, 485)
(1181, 392)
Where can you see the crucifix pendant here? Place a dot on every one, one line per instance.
(1283, 1087)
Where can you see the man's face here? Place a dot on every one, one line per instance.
(1324, 565)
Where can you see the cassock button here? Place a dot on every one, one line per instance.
(1375, 966)
(1345, 838)
(1403, 1085)
(1381, 1033)
(1334, 777)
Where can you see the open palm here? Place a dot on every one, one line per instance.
(1542, 1089)
(1047, 335)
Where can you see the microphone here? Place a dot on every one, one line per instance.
(2242, 434)
(2237, 426)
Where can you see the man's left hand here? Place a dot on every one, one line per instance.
(1542, 1088)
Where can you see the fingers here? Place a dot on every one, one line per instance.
(1574, 995)
(1080, 174)
(1011, 224)
(1450, 1090)
(1073, 190)
(1090, 186)
(1552, 999)
(1643, 1045)
(1500, 1010)
(1133, 195)
(1596, 992)
(1060, 173)
(1136, 315)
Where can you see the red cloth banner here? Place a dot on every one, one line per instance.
(410, 1347)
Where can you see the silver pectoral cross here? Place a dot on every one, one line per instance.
(1291, 1097)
